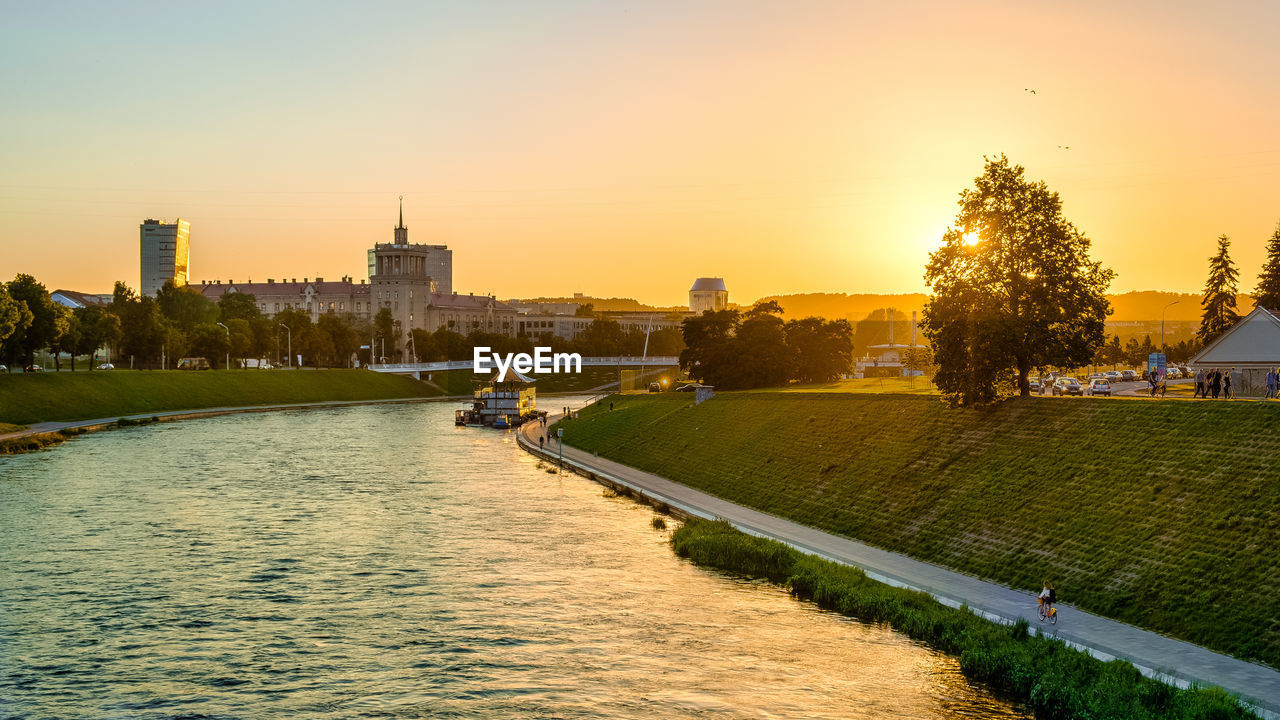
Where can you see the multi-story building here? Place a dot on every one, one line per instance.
(165, 251)
(405, 277)
(314, 297)
(708, 294)
(465, 313)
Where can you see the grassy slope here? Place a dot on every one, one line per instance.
(71, 396)
(1164, 515)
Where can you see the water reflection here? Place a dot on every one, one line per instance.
(379, 561)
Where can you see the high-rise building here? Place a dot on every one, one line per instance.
(708, 294)
(403, 276)
(165, 251)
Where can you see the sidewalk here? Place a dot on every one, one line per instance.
(1174, 661)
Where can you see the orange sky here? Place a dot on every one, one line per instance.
(623, 149)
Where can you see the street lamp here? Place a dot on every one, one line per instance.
(289, 359)
(224, 327)
(1166, 307)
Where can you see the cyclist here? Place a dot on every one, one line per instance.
(1048, 596)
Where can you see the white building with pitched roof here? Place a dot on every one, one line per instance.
(1247, 350)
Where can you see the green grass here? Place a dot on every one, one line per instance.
(1165, 515)
(26, 399)
(9, 427)
(1054, 681)
(910, 386)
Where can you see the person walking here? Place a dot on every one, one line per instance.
(1271, 384)
(1215, 382)
(1199, 391)
(1226, 384)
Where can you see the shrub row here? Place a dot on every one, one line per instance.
(1054, 681)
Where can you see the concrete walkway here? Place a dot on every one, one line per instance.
(1174, 661)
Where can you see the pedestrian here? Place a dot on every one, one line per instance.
(610, 406)
(541, 439)
(1271, 383)
(1215, 382)
(1226, 384)
(1199, 383)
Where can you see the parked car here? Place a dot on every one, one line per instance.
(1172, 373)
(655, 387)
(106, 366)
(1128, 375)
(33, 368)
(1034, 383)
(689, 388)
(1099, 386)
(4, 368)
(1098, 376)
(1067, 386)
(1113, 376)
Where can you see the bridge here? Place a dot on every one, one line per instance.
(618, 361)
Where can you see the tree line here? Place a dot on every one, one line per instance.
(180, 322)
(735, 350)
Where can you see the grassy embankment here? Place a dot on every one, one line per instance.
(1165, 515)
(1053, 680)
(27, 399)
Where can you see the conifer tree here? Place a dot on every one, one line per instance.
(1268, 293)
(1219, 295)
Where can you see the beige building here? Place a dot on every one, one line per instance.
(465, 313)
(404, 277)
(165, 250)
(314, 297)
(708, 294)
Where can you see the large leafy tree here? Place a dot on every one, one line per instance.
(821, 350)
(1219, 301)
(48, 322)
(1013, 287)
(15, 317)
(1268, 293)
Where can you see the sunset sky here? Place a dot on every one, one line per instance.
(625, 148)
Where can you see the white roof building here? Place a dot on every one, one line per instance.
(1250, 347)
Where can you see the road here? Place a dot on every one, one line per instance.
(1174, 661)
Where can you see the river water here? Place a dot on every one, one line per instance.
(379, 562)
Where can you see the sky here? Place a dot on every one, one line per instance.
(622, 149)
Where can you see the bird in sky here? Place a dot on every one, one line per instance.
(1064, 147)
(1033, 92)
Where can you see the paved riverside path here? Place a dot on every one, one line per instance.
(1174, 661)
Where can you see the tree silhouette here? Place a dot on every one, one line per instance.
(1219, 295)
(1014, 288)
(1268, 293)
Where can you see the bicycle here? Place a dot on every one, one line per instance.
(1050, 614)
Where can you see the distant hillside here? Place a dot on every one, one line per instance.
(607, 304)
(1128, 307)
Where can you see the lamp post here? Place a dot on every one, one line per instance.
(289, 359)
(1166, 307)
(224, 327)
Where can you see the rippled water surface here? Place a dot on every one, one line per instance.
(379, 562)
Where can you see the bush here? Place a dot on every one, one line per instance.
(1053, 680)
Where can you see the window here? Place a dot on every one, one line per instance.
(277, 307)
(342, 306)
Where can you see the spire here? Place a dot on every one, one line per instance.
(402, 232)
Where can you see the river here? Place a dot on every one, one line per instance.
(379, 562)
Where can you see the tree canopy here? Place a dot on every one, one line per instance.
(1013, 288)
(1268, 292)
(1219, 301)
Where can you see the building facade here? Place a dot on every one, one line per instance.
(165, 251)
(466, 313)
(405, 278)
(314, 297)
(708, 294)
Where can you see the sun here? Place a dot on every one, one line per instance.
(971, 239)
